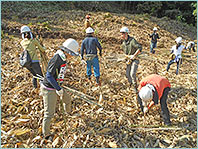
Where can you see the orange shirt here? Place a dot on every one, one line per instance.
(159, 82)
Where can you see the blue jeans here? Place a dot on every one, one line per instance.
(171, 62)
(152, 46)
(95, 63)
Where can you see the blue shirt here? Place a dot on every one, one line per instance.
(90, 44)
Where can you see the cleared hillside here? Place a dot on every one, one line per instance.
(90, 126)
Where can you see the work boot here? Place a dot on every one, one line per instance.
(98, 81)
(167, 123)
(34, 82)
(49, 137)
(89, 77)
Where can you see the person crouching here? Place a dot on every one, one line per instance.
(153, 89)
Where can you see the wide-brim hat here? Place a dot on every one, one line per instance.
(69, 51)
(70, 46)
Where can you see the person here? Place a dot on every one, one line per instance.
(131, 48)
(51, 88)
(31, 44)
(87, 22)
(153, 89)
(176, 51)
(190, 45)
(89, 46)
(154, 36)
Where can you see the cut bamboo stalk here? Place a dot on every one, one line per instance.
(153, 129)
(77, 92)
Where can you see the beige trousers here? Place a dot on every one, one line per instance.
(50, 97)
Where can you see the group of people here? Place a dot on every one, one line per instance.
(152, 90)
(176, 50)
(50, 83)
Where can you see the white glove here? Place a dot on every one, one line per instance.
(83, 62)
(131, 56)
(60, 92)
(145, 110)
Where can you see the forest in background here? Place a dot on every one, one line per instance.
(183, 11)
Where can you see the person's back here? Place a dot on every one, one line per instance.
(190, 45)
(30, 44)
(91, 44)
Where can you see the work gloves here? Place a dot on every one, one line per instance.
(83, 62)
(145, 110)
(60, 92)
(129, 58)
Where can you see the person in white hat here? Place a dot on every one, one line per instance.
(51, 88)
(89, 46)
(31, 45)
(176, 50)
(131, 48)
(154, 36)
(191, 44)
(153, 89)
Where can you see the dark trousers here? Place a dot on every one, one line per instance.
(171, 62)
(164, 109)
(193, 48)
(35, 69)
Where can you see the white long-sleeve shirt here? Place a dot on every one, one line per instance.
(178, 51)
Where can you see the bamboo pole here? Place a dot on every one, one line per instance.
(62, 107)
(77, 92)
(153, 129)
(82, 96)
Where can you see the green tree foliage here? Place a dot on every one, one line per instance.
(184, 11)
(195, 10)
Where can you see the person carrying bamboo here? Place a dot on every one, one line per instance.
(51, 88)
(176, 51)
(31, 44)
(131, 48)
(152, 90)
(154, 36)
(89, 46)
(87, 21)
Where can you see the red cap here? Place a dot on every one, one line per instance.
(87, 16)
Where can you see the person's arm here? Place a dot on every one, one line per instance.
(150, 105)
(140, 102)
(52, 81)
(82, 50)
(41, 48)
(136, 45)
(51, 71)
(150, 35)
(136, 53)
(172, 50)
(154, 100)
(99, 47)
(158, 36)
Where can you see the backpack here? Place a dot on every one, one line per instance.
(25, 59)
